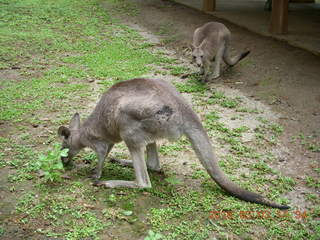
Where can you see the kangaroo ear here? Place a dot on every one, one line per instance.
(75, 122)
(64, 132)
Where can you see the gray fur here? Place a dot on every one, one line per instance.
(140, 112)
(211, 42)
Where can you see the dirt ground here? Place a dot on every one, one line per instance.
(282, 76)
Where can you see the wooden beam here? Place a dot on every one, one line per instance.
(208, 5)
(279, 17)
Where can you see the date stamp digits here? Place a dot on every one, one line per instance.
(262, 214)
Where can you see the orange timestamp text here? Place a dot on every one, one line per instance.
(260, 214)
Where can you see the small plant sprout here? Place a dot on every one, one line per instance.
(153, 236)
(173, 180)
(50, 165)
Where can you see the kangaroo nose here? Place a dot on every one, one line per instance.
(199, 65)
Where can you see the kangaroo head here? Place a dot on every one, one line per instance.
(71, 139)
(197, 55)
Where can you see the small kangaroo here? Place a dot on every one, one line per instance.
(140, 112)
(211, 42)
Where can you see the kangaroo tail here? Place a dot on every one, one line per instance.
(203, 148)
(232, 60)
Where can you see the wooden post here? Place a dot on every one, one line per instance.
(279, 17)
(208, 5)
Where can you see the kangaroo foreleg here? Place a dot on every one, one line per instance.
(206, 71)
(102, 152)
(201, 70)
(217, 62)
(142, 177)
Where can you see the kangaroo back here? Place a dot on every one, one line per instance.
(203, 149)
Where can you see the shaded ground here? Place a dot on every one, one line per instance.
(259, 115)
(303, 20)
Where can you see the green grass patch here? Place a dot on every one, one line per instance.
(192, 85)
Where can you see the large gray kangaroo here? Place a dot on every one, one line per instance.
(211, 42)
(140, 112)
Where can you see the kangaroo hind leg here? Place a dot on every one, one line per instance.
(153, 163)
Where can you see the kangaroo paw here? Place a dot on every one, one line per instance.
(205, 79)
(183, 76)
(215, 76)
(158, 170)
(126, 163)
(95, 174)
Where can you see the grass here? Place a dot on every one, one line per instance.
(191, 86)
(54, 48)
(309, 142)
